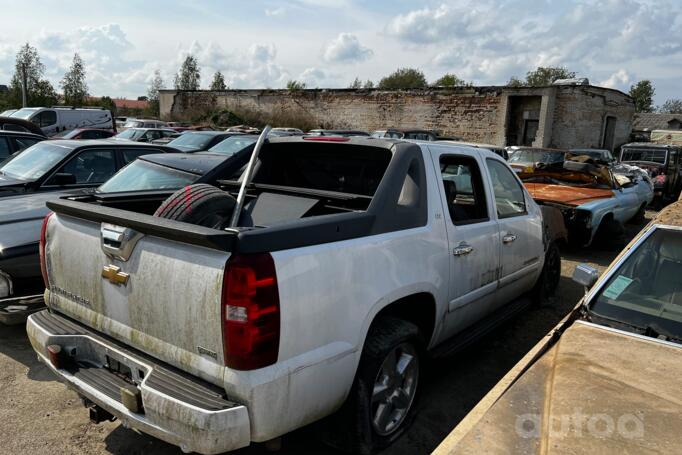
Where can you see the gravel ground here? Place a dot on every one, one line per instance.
(38, 415)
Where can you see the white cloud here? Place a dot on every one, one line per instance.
(346, 48)
(621, 80)
(275, 12)
(313, 77)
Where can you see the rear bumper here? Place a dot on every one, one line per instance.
(176, 408)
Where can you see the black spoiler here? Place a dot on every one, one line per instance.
(147, 224)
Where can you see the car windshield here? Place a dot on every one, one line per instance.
(191, 140)
(35, 161)
(132, 124)
(653, 155)
(133, 135)
(23, 113)
(645, 292)
(232, 145)
(143, 175)
(536, 156)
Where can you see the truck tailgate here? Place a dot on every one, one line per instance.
(168, 307)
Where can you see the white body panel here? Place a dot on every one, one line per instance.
(329, 296)
(69, 119)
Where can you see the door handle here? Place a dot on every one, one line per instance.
(463, 249)
(509, 238)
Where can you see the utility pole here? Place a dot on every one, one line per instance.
(23, 85)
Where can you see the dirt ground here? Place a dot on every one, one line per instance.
(38, 415)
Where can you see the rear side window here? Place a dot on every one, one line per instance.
(5, 149)
(463, 188)
(91, 166)
(12, 127)
(130, 155)
(509, 196)
(22, 143)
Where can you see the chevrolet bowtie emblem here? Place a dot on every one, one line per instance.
(114, 275)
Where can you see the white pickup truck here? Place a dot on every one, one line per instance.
(353, 259)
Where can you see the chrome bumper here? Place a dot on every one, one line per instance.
(176, 408)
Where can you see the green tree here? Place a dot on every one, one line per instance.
(189, 76)
(541, 76)
(403, 78)
(155, 85)
(44, 94)
(449, 80)
(546, 75)
(671, 106)
(294, 85)
(356, 84)
(107, 103)
(515, 82)
(643, 95)
(218, 82)
(368, 84)
(73, 83)
(27, 59)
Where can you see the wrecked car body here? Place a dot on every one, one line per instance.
(661, 161)
(590, 196)
(606, 379)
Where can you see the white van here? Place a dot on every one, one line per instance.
(54, 120)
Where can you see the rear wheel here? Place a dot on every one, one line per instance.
(382, 401)
(199, 204)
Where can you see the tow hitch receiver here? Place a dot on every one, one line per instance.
(99, 415)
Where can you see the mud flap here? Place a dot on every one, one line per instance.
(14, 311)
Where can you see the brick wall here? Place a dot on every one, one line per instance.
(573, 116)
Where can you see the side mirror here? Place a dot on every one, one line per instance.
(585, 275)
(63, 179)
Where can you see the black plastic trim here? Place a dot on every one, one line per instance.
(147, 224)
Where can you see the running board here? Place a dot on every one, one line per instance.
(478, 330)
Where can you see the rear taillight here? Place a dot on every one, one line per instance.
(250, 312)
(43, 260)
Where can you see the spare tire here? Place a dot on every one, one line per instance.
(199, 204)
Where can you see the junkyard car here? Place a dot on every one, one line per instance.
(352, 257)
(155, 176)
(663, 164)
(196, 141)
(144, 134)
(593, 200)
(85, 133)
(607, 378)
(63, 164)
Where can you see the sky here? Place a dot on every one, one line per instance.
(328, 43)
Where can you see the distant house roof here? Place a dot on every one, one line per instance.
(650, 121)
(122, 103)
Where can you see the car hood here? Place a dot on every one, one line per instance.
(10, 186)
(564, 194)
(595, 391)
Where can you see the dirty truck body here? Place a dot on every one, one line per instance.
(227, 337)
(606, 379)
